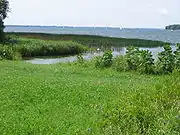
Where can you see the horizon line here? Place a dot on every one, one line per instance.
(70, 26)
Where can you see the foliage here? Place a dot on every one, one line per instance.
(166, 60)
(7, 53)
(11, 40)
(177, 56)
(105, 61)
(173, 27)
(4, 8)
(31, 48)
(92, 41)
(120, 63)
(139, 60)
(146, 62)
(133, 57)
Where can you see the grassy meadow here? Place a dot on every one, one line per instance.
(80, 99)
(128, 95)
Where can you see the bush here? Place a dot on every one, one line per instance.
(105, 61)
(166, 61)
(7, 53)
(177, 57)
(146, 62)
(133, 57)
(137, 60)
(11, 40)
(120, 63)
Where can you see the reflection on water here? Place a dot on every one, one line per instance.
(116, 51)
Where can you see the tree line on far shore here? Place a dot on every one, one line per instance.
(173, 27)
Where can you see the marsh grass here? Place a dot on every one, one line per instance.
(34, 47)
(91, 40)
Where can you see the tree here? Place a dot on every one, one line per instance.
(4, 9)
(173, 27)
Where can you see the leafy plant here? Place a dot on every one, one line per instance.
(105, 61)
(177, 56)
(133, 57)
(8, 53)
(166, 60)
(120, 63)
(146, 62)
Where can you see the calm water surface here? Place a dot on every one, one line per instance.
(152, 34)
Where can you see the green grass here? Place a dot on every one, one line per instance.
(74, 99)
(93, 41)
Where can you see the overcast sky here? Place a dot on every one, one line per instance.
(119, 13)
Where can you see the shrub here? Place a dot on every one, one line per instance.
(146, 62)
(177, 56)
(11, 40)
(120, 63)
(166, 61)
(105, 61)
(133, 57)
(7, 53)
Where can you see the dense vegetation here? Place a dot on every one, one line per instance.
(18, 46)
(143, 61)
(21, 48)
(173, 27)
(93, 41)
(80, 99)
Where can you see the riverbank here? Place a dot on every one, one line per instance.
(76, 99)
(29, 45)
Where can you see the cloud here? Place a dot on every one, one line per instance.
(163, 11)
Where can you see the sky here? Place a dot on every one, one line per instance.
(94, 13)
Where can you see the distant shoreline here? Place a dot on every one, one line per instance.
(173, 27)
(129, 33)
(54, 26)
